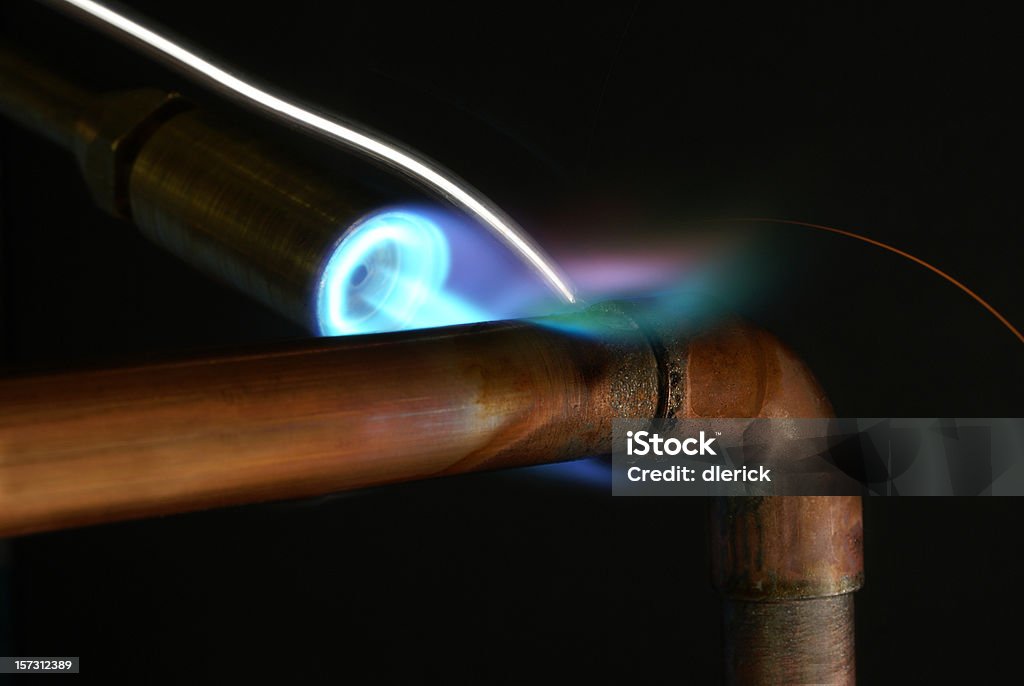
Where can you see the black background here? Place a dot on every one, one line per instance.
(900, 126)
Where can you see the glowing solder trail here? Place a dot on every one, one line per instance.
(335, 130)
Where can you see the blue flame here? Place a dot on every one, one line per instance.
(418, 267)
(591, 472)
(388, 273)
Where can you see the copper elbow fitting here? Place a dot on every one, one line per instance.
(786, 566)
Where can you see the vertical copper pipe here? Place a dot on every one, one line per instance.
(808, 641)
(786, 566)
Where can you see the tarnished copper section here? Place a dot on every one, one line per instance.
(797, 642)
(787, 547)
(784, 564)
(737, 370)
(314, 418)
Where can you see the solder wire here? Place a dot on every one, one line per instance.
(334, 129)
(902, 253)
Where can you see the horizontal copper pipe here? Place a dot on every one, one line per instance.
(315, 417)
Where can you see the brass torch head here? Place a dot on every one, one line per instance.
(222, 196)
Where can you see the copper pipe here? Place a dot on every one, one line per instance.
(334, 414)
(786, 566)
(314, 418)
